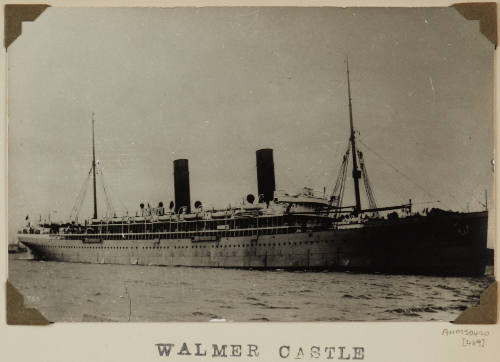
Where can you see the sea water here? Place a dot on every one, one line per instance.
(103, 292)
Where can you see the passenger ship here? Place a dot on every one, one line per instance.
(274, 230)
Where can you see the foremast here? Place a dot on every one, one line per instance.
(356, 173)
(93, 170)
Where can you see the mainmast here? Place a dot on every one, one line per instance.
(93, 168)
(356, 173)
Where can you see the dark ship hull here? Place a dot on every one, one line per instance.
(442, 243)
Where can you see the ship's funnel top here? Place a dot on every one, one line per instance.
(265, 174)
(181, 185)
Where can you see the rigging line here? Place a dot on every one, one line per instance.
(341, 196)
(340, 181)
(343, 173)
(341, 169)
(81, 203)
(366, 182)
(398, 171)
(335, 198)
(338, 174)
(425, 202)
(342, 189)
(105, 201)
(108, 200)
(109, 206)
(370, 192)
(80, 197)
(119, 200)
(83, 197)
(123, 206)
(482, 203)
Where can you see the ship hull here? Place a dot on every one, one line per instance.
(447, 244)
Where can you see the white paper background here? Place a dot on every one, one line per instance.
(395, 341)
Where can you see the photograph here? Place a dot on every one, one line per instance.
(250, 164)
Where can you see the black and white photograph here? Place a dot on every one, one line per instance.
(251, 164)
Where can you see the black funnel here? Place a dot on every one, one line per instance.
(265, 174)
(181, 185)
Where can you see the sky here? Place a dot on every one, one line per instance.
(213, 85)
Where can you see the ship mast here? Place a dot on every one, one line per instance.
(356, 173)
(93, 168)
